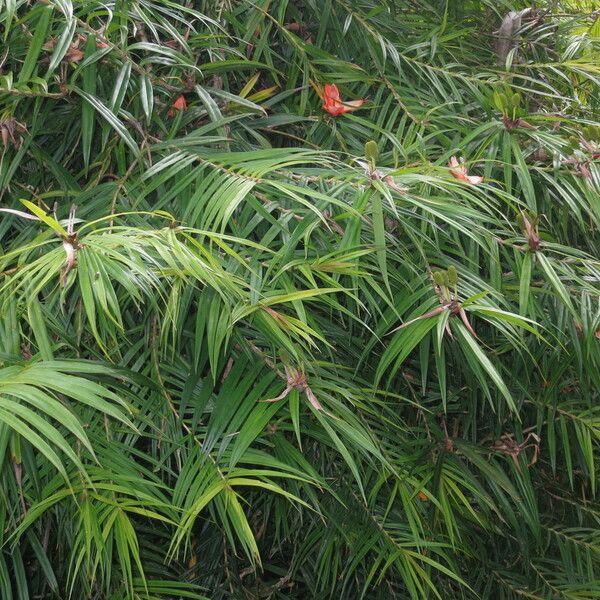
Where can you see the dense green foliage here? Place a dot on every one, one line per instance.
(186, 233)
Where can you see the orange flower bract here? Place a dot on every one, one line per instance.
(333, 103)
(458, 170)
(179, 104)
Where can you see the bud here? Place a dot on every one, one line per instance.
(438, 277)
(371, 153)
(500, 101)
(452, 275)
